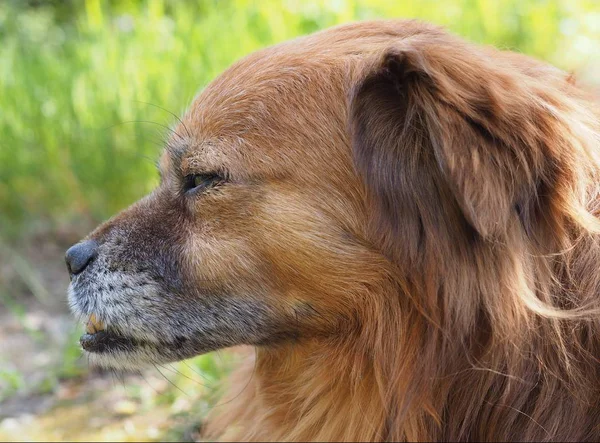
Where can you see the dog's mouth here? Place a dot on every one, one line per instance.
(98, 339)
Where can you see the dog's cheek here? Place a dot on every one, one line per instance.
(312, 258)
(285, 254)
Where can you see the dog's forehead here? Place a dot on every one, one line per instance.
(279, 104)
(253, 112)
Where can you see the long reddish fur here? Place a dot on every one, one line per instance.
(475, 296)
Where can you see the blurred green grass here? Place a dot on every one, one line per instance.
(88, 89)
(75, 78)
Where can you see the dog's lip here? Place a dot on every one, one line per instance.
(105, 341)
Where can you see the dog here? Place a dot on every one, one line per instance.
(401, 224)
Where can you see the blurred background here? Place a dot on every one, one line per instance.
(88, 89)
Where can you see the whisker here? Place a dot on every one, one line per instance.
(175, 371)
(144, 121)
(113, 377)
(121, 378)
(148, 383)
(172, 384)
(196, 372)
(244, 388)
(172, 113)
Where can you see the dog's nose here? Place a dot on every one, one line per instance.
(80, 255)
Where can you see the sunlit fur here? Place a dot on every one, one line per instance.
(414, 219)
(477, 303)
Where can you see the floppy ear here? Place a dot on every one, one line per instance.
(444, 139)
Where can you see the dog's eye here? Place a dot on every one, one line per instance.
(201, 182)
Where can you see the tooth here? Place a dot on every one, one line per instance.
(89, 328)
(93, 325)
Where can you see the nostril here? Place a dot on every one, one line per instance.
(80, 255)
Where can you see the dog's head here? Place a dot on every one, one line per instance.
(310, 176)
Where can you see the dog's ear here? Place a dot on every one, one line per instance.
(437, 132)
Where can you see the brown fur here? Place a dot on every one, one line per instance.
(416, 217)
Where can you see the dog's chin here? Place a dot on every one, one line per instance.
(114, 349)
(139, 327)
(128, 361)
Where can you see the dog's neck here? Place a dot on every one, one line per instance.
(358, 387)
(343, 388)
(312, 392)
